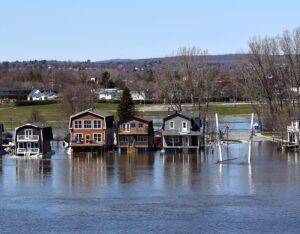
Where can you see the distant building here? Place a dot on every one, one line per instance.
(10, 93)
(109, 94)
(37, 95)
(138, 96)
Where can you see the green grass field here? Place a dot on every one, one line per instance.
(13, 116)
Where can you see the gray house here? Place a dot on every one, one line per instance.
(181, 131)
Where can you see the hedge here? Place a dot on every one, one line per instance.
(34, 103)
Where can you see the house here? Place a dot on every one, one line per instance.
(293, 130)
(91, 129)
(135, 134)
(138, 96)
(109, 94)
(37, 95)
(181, 131)
(33, 139)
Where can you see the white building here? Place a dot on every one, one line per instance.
(109, 94)
(37, 95)
(294, 130)
(138, 96)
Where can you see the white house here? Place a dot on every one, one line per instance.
(293, 130)
(138, 96)
(37, 95)
(109, 94)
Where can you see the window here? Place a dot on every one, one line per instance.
(123, 138)
(141, 125)
(132, 125)
(97, 137)
(97, 124)
(78, 136)
(126, 127)
(77, 124)
(171, 124)
(174, 139)
(142, 138)
(87, 124)
(184, 126)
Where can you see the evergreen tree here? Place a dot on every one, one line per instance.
(126, 107)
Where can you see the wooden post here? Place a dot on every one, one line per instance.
(218, 139)
(250, 139)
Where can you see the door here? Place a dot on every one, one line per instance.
(28, 133)
(28, 146)
(127, 127)
(185, 140)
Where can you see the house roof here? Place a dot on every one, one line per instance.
(139, 118)
(108, 117)
(92, 111)
(35, 124)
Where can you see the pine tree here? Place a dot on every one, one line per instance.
(126, 107)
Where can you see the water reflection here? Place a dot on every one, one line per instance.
(28, 170)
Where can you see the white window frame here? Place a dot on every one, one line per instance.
(78, 134)
(78, 121)
(184, 129)
(140, 125)
(95, 121)
(97, 138)
(84, 121)
(172, 127)
(26, 131)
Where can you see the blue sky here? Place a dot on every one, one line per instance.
(100, 30)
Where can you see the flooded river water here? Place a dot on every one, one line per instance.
(152, 193)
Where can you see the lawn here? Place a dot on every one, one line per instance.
(13, 116)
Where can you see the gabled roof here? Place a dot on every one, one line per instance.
(94, 111)
(36, 124)
(185, 115)
(138, 118)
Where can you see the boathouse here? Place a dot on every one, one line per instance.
(135, 134)
(181, 131)
(91, 129)
(33, 139)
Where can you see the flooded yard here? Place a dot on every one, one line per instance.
(146, 193)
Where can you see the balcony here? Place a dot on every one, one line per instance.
(25, 138)
(29, 150)
(89, 143)
(143, 130)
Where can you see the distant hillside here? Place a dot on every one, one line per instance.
(226, 60)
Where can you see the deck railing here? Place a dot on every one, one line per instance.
(28, 137)
(30, 150)
(133, 130)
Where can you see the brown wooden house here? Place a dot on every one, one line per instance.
(135, 133)
(91, 129)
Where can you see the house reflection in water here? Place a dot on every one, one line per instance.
(88, 170)
(134, 166)
(179, 169)
(32, 169)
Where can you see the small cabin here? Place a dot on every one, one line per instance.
(33, 139)
(91, 129)
(135, 133)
